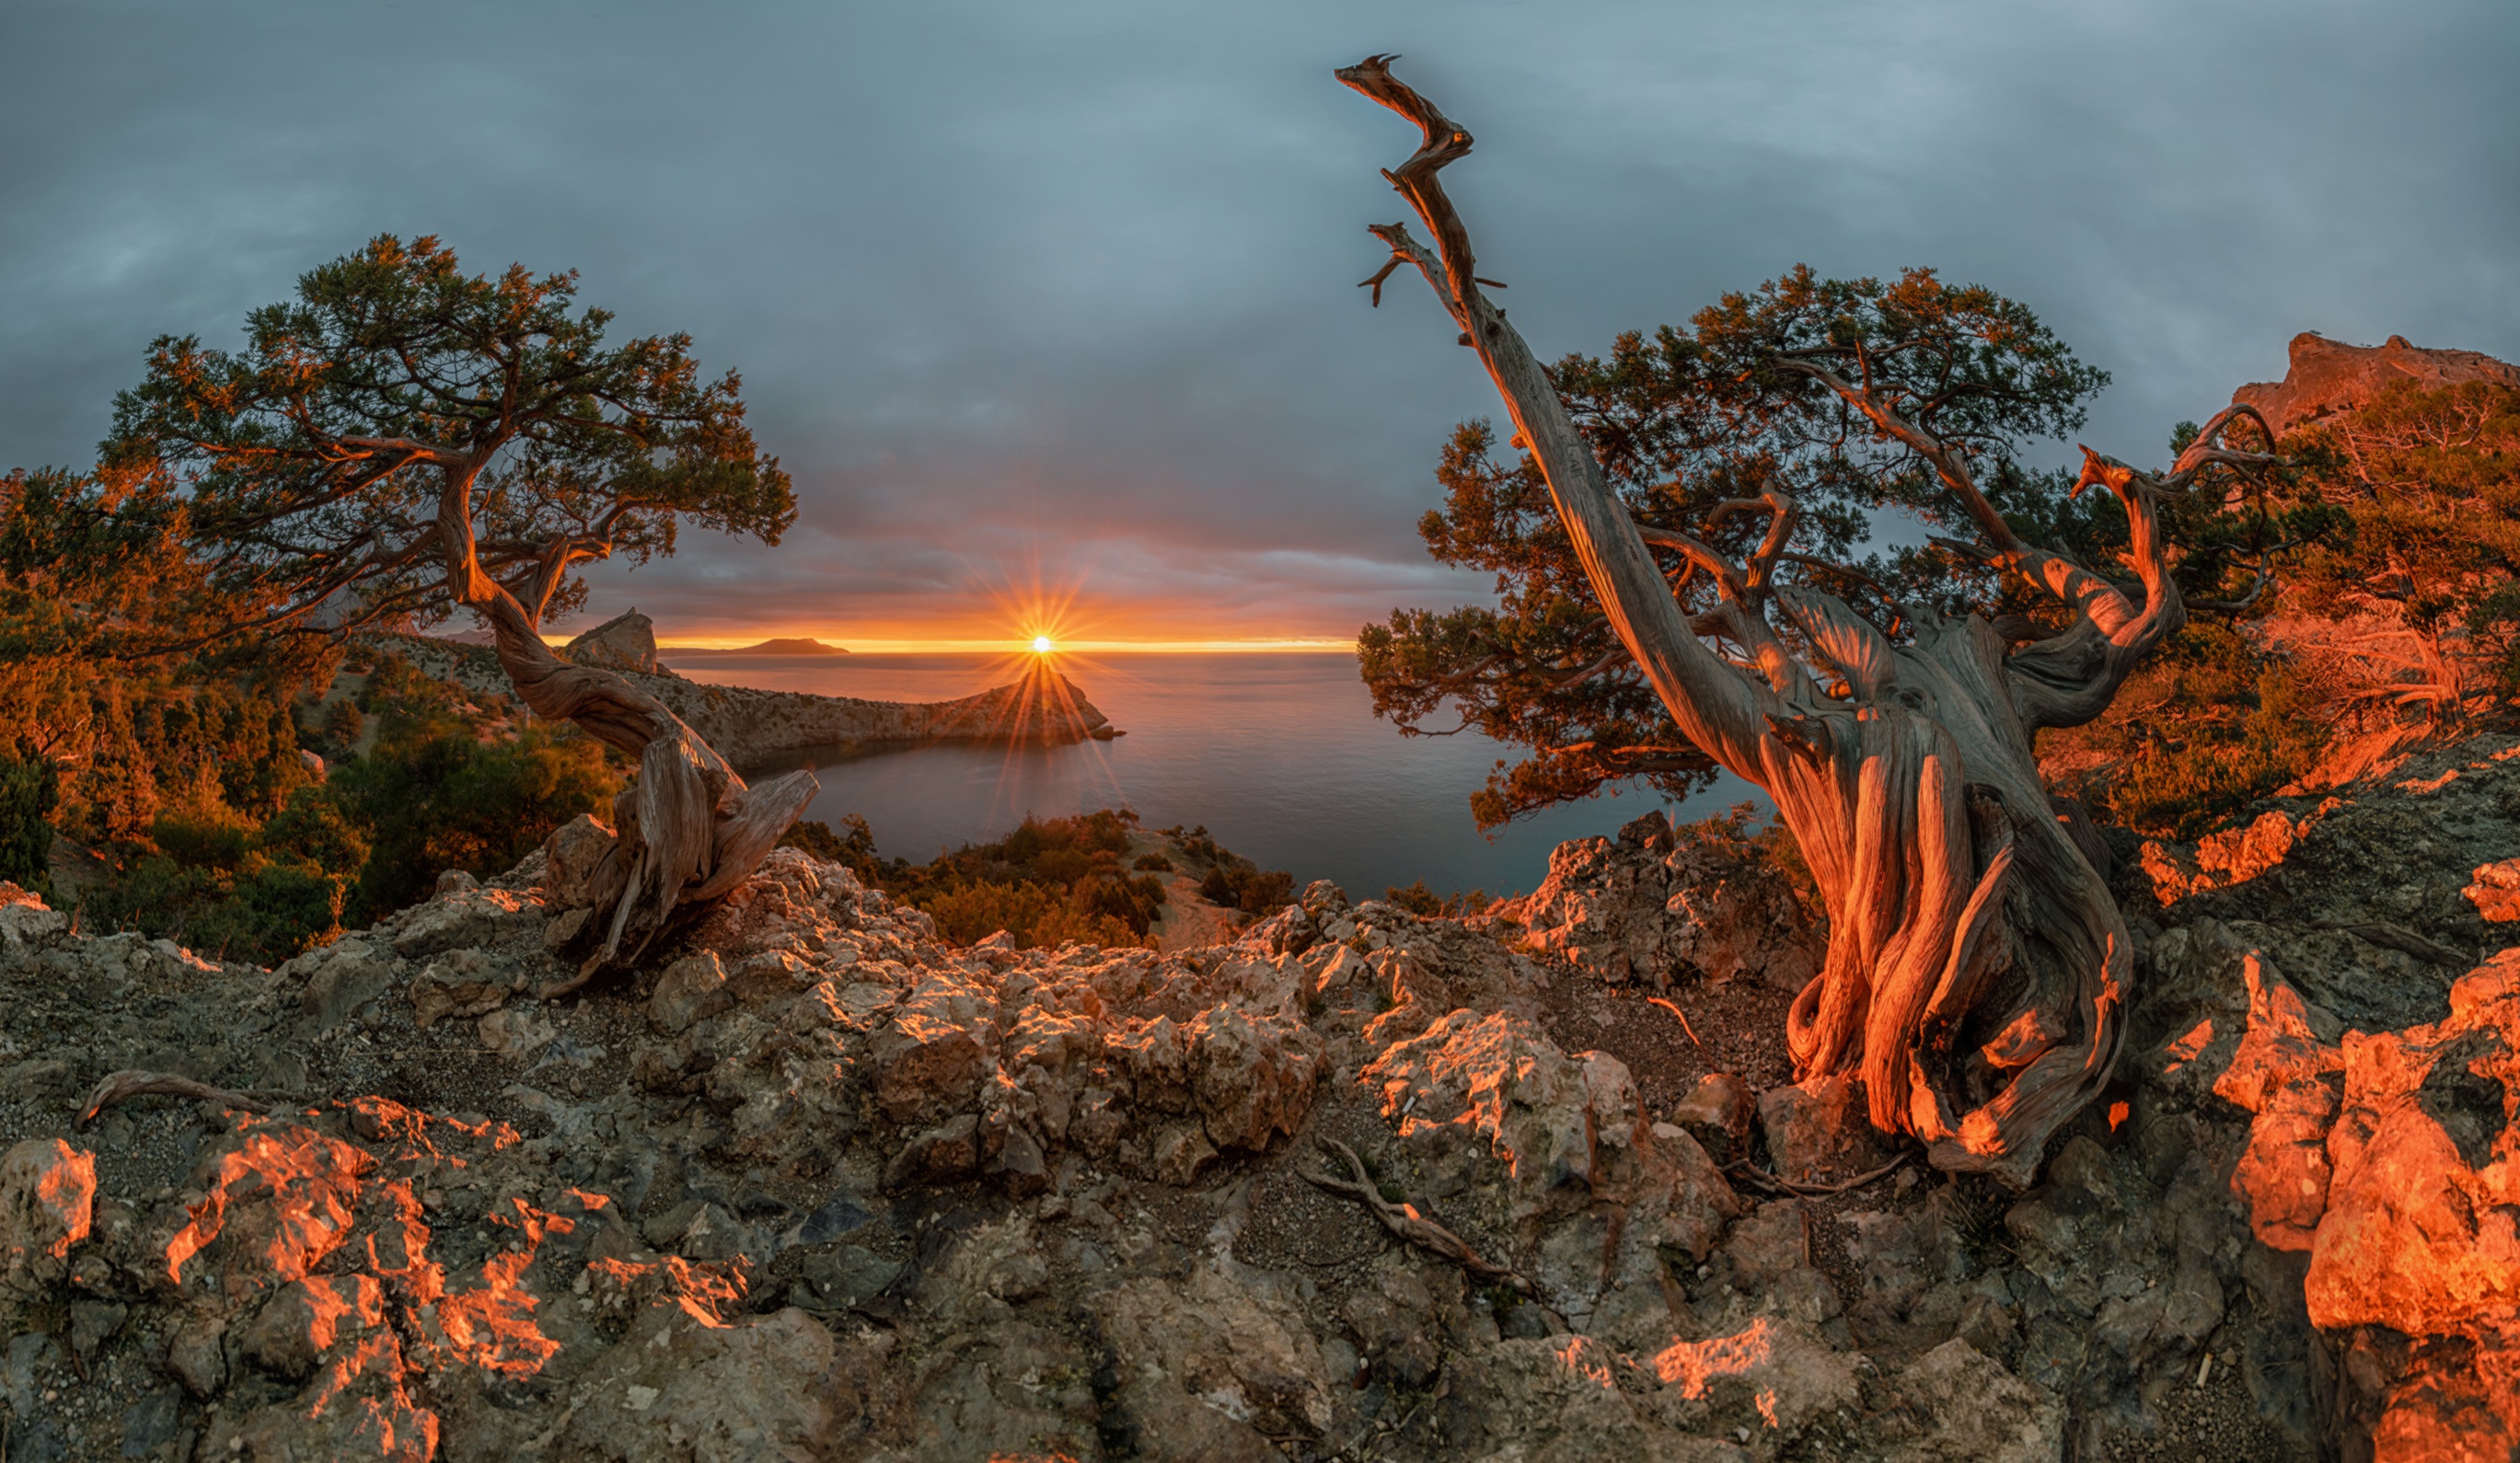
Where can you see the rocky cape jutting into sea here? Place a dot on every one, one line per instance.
(756, 728)
(1535, 1185)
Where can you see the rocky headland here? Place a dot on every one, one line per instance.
(1533, 1184)
(758, 729)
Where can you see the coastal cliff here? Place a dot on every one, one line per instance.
(754, 728)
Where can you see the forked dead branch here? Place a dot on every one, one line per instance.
(1978, 968)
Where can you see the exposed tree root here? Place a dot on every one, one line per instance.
(1404, 1219)
(130, 1082)
(1766, 1182)
(1675, 1009)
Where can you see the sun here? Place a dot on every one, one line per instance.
(1041, 644)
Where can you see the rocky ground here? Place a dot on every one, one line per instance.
(816, 1184)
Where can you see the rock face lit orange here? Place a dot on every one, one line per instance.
(2394, 1159)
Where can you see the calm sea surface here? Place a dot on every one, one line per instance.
(1280, 755)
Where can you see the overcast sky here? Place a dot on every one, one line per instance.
(1059, 297)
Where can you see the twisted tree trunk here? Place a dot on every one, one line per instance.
(689, 828)
(1978, 969)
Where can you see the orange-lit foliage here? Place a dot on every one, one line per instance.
(1049, 881)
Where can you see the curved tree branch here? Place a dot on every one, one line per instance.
(1718, 708)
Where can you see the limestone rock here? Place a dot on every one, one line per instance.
(692, 988)
(340, 978)
(47, 1204)
(1721, 1103)
(2327, 377)
(2219, 861)
(1966, 1408)
(626, 642)
(358, 1407)
(1208, 1370)
(25, 922)
(1252, 1079)
(2285, 1073)
(2495, 890)
(1657, 901)
(576, 855)
(468, 982)
(467, 917)
(515, 1035)
(301, 1326)
(1820, 1131)
(679, 1387)
(2418, 1230)
(930, 1059)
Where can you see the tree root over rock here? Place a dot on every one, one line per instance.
(1404, 1220)
(130, 1082)
(1766, 1182)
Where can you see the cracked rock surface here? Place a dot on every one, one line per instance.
(816, 1184)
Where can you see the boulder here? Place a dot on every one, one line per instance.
(574, 856)
(26, 922)
(467, 917)
(1820, 1131)
(466, 983)
(626, 642)
(340, 978)
(678, 1387)
(1252, 1079)
(2418, 1230)
(692, 988)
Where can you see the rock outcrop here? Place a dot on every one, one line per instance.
(626, 642)
(815, 1184)
(2327, 377)
(1652, 905)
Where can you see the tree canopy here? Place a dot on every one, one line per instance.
(1700, 431)
(403, 437)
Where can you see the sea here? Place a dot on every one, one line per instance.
(1278, 754)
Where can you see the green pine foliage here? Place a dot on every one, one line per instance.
(1050, 881)
(29, 786)
(234, 870)
(1053, 880)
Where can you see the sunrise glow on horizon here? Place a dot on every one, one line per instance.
(896, 644)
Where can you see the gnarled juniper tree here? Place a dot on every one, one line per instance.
(404, 438)
(1978, 970)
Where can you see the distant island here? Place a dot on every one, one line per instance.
(790, 646)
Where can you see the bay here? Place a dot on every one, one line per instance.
(1278, 754)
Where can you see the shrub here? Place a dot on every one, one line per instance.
(1420, 899)
(29, 789)
(432, 799)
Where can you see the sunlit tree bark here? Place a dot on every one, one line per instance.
(1978, 970)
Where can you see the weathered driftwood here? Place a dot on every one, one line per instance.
(1978, 970)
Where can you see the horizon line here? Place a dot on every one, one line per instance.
(1010, 646)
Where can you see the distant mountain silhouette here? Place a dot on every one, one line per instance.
(788, 645)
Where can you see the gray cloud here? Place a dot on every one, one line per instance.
(1065, 292)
